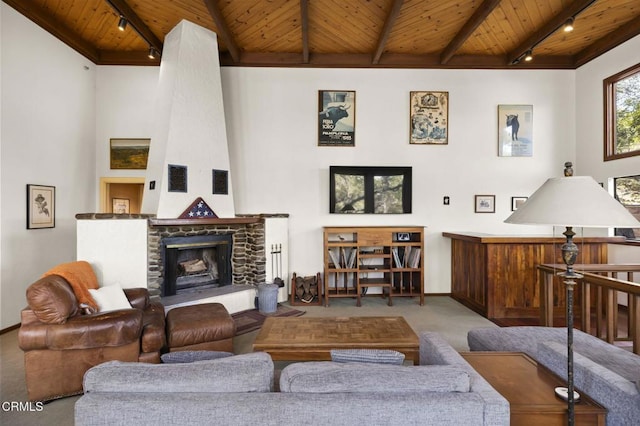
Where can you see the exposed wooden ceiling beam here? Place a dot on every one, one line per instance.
(386, 29)
(136, 23)
(549, 28)
(129, 57)
(223, 29)
(389, 60)
(46, 21)
(468, 28)
(627, 31)
(304, 24)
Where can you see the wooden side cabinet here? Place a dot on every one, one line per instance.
(388, 257)
(496, 276)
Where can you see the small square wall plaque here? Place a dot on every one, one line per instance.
(177, 178)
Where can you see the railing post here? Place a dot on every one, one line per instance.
(634, 315)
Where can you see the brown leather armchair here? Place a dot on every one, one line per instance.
(60, 343)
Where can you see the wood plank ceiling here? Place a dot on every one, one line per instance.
(348, 33)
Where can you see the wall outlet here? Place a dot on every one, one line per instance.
(446, 200)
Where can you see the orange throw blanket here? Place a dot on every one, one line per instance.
(81, 278)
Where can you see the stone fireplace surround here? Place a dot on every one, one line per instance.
(248, 252)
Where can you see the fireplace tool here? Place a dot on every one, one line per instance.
(276, 264)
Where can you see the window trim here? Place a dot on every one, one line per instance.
(610, 114)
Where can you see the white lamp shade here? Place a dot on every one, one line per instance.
(573, 201)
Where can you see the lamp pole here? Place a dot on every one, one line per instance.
(569, 256)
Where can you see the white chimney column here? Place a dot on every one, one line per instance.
(190, 127)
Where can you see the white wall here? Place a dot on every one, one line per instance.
(590, 128)
(48, 138)
(277, 166)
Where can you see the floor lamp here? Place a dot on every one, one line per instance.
(572, 201)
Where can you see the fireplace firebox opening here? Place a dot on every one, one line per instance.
(196, 263)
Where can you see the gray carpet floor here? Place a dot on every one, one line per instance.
(439, 313)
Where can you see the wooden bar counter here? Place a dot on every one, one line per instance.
(495, 275)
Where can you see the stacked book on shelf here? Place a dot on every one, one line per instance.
(406, 257)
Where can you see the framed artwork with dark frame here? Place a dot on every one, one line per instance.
(515, 130)
(177, 178)
(429, 118)
(120, 205)
(485, 203)
(517, 202)
(336, 118)
(220, 184)
(41, 206)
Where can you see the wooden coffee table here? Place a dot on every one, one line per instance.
(311, 339)
(529, 388)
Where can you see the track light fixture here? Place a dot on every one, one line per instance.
(152, 52)
(568, 26)
(122, 23)
(528, 57)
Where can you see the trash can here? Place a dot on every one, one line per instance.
(267, 298)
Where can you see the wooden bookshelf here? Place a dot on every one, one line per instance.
(388, 257)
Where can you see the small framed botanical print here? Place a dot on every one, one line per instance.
(41, 206)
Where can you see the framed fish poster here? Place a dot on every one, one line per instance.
(515, 130)
(336, 118)
(429, 118)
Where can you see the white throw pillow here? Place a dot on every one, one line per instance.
(110, 298)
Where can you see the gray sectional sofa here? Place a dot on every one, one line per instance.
(608, 374)
(239, 390)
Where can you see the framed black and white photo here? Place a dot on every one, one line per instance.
(336, 118)
(485, 203)
(517, 202)
(41, 206)
(429, 118)
(515, 130)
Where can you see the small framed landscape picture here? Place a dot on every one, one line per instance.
(485, 203)
(517, 202)
(129, 154)
(41, 206)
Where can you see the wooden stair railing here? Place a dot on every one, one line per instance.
(604, 279)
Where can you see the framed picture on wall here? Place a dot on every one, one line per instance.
(485, 203)
(129, 154)
(515, 130)
(41, 206)
(336, 118)
(120, 206)
(429, 118)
